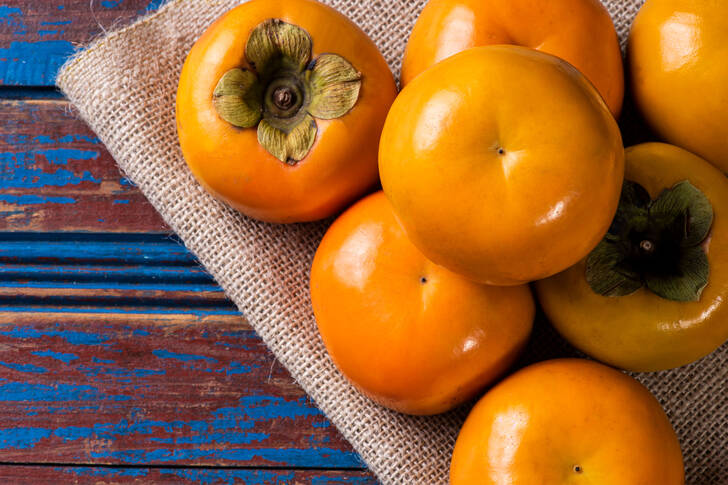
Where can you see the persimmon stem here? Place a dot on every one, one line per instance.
(647, 246)
(284, 97)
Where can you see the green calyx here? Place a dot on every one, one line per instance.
(654, 243)
(286, 92)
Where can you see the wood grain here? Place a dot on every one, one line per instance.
(153, 389)
(56, 175)
(117, 351)
(26, 475)
(93, 272)
(36, 37)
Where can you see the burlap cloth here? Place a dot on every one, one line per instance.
(124, 87)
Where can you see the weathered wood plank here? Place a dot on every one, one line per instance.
(55, 175)
(149, 276)
(36, 37)
(129, 273)
(94, 377)
(101, 248)
(35, 475)
(113, 300)
(154, 390)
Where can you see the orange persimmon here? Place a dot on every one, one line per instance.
(567, 421)
(578, 31)
(678, 51)
(409, 334)
(279, 110)
(653, 295)
(502, 163)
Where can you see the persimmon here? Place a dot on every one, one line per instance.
(502, 163)
(653, 295)
(409, 334)
(279, 110)
(567, 421)
(677, 52)
(579, 31)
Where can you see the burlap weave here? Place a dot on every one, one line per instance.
(124, 86)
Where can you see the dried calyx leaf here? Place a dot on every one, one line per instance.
(291, 146)
(335, 86)
(288, 91)
(603, 271)
(685, 200)
(276, 45)
(656, 244)
(685, 284)
(633, 210)
(237, 98)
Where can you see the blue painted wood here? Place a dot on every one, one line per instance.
(154, 390)
(24, 475)
(36, 38)
(150, 262)
(55, 175)
(69, 306)
(117, 348)
(104, 273)
(30, 92)
(93, 276)
(99, 248)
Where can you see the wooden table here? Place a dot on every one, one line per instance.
(121, 361)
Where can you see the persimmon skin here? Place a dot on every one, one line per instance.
(409, 334)
(567, 421)
(231, 164)
(579, 31)
(679, 75)
(643, 332)
(503, 164)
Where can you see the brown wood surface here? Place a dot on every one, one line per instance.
(153, 389)
(37, 36)
(121, 361)
(55, 175)
(25, 475)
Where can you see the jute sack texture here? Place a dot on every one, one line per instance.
(124, 86)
